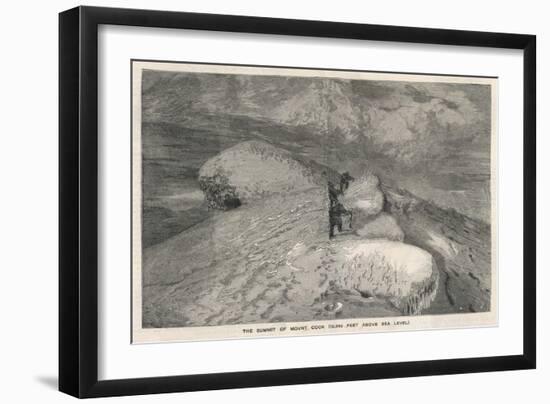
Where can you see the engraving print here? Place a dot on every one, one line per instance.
(280, 197)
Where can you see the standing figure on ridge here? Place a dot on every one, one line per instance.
(345, 179)
(336, 213)
(333, 193)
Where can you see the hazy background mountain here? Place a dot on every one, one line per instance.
(430, 138)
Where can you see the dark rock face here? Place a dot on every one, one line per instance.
(461, 247)
(219, 194)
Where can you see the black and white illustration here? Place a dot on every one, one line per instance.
(271, 196)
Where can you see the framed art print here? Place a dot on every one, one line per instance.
(272, 201)
(250, 202)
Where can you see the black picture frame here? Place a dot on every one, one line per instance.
(78, 201)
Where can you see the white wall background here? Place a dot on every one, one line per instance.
(28, 202)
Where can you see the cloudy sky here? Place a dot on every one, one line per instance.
(432, 138)
(410, 122)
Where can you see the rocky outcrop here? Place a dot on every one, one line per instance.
(365, 198)
(404, 274)
(254, 170)
(460, 245)
(382, 226)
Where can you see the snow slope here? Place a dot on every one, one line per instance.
(271, 259)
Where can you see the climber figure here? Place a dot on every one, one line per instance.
(336, 213)
(333, 193)
(345, 179)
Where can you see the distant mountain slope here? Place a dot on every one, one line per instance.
(409, 122)
(173, 153)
